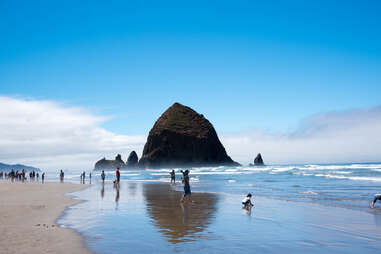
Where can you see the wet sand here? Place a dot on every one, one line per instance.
(142, 217)
(28, 214)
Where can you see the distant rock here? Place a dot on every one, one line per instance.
(258, 161)
(182, 137)
(132, 160)
(9, 167)
(109, 164)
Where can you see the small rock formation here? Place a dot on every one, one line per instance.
(258, 161)
(132, 160)
(109, 164)
(182, 137)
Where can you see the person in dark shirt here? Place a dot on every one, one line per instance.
(173, 176)
(187, 189)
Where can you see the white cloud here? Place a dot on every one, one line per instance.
(48, 135)
(51, 136)
(347, 136)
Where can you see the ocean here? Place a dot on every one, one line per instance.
(299, 208)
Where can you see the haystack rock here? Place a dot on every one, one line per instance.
(109, 164)
(132, 160)
(258, 161)
(182, 137)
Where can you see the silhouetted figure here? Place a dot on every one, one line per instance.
(83, 177)
(43, 177)
(62, 176)
(103, 175)
(173, 176)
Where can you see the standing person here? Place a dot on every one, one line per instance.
(173, 176)
(187, 190)
(83, 177)
(90, 177)
(103, 175)
(38, 175)
(43, 177)
(61, 176)
(117, 175)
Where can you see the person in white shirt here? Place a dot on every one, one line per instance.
(246, 202)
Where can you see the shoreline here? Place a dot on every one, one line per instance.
(29, 214)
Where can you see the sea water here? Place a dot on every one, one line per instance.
(347, 185)
(299, 208)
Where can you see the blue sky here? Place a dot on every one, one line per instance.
(244, 64)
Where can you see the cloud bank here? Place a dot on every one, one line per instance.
(52, 136)
(333, 137)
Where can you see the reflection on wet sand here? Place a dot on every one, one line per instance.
(117, 188)
(179, 222)
(103, 190)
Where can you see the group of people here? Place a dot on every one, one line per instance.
(185, 180)
(16, 175)
(83, 177)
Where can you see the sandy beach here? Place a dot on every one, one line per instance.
(28, 214)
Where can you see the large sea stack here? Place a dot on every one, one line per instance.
(182, 137)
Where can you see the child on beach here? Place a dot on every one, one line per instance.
(376, 197)
(246, 202)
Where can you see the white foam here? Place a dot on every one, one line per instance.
(354, 178)
(308, 192)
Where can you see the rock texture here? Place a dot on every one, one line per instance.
(182, 137)
(109, 164)
(132, 160)
(258, 161)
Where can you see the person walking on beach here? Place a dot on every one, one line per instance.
(376, 197)
(43, 177)
(173, 176)
(246, 202)
(103, 175)
(83, 177)
(90, 177)
(187, 190)
(117, 175)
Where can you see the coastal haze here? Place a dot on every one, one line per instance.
(106, 107)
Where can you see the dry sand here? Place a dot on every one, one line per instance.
(28, 212)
